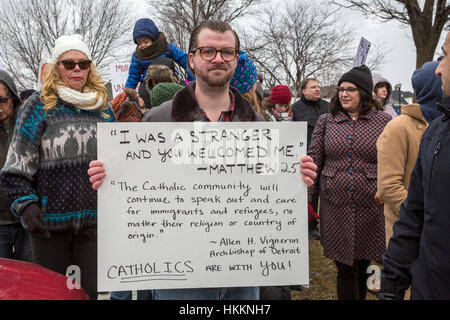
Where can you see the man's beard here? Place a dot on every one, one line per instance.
(216, 82)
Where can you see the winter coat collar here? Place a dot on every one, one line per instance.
(185, 106)
(310, 102)
(444, 107)
(413, 110)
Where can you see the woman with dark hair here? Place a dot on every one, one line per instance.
(344, 148)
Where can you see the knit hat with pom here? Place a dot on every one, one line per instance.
(245, 75)
(163, 92)
(280, 94)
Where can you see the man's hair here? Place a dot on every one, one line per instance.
(305, 82)
(214, 25)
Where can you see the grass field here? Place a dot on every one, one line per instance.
(322, 277)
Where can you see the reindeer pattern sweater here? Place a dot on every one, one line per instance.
(47, 163)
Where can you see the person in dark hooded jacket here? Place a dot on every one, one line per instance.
(428, 89)
(418, 254)
(151, 44)
(14, 240)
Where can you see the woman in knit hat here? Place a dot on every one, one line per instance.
(245, 80)
(344, 148)
(45, 172)
(278, 106)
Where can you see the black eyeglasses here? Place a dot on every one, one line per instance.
(4, 99)
(209, 53)
(349, 90)
(70, 65)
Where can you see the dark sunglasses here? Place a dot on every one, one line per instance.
(70, 65)
(4, 99)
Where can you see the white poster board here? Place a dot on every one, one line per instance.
(118, 75)
(363, 51)
(192, 205)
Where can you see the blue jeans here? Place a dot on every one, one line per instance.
(237, 293)
(15, 242)
(127, 295)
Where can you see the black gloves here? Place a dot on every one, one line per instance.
(33, 220)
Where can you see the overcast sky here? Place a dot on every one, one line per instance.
(397, 39)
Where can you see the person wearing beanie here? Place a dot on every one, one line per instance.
(278, 106)
(151, 44)
(343, 146)
(245, 80)
(126, 108)
(163, 92)
(15, 241)
(55, 139)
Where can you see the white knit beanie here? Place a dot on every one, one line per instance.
(67, 43)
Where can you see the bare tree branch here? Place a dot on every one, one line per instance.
(28, 30)
(180, 17)
(297, 41)
(426, 21)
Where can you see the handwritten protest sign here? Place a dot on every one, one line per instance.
(118, 74)
(191, 205)
(362, 52)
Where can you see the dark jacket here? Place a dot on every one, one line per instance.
(351, 221)
(307, 110)
(419, 251)
(184, 108)
(6, 133)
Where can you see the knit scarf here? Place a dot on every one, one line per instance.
(86, 100)
(155, 50)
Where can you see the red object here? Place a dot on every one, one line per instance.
(280, 94)
(312, 215)
(21, 280)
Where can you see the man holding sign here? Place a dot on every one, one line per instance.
(213, 53)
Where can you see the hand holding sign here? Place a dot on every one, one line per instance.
(195, 205)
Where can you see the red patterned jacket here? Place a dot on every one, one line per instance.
(351, 222)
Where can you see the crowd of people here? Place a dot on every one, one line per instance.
(369, 200)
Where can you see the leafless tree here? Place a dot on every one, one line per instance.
(180, 17)
(427, 20)
(296, 41)
(28, 30)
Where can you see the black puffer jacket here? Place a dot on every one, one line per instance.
(419, 251)
(307, 110)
